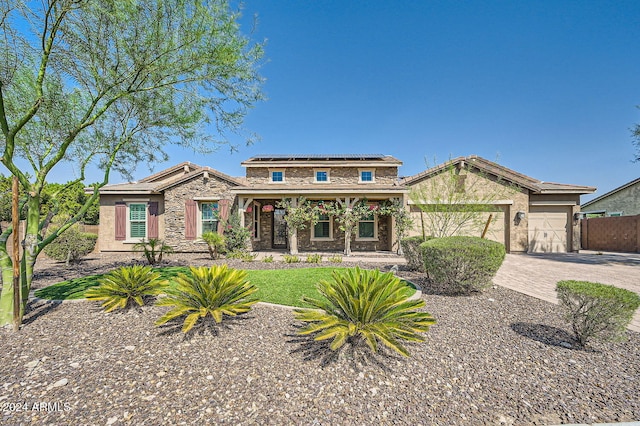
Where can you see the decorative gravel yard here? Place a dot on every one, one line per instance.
(497, 358)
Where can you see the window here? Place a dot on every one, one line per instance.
(321, 175)
(322, 229)
(208, 217)
(137, 220)
(367, 227)
(276, 176)
(367, 175)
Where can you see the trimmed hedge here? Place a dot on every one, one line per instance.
(71, 245)
(411, 251)
(596, 310)
(462, 264)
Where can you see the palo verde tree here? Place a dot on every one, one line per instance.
(455, 201)
(107, 84)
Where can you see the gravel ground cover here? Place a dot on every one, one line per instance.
(496, 358)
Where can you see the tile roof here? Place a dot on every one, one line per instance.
(497, 170)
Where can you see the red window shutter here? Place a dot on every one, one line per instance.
(190, 219)
(152, 220)
(121, 221)
(223, 211)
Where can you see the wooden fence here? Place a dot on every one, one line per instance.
(621, 234)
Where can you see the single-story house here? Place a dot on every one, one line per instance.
(180, 203)
(622, 201)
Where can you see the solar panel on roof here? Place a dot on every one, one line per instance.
(318, 157)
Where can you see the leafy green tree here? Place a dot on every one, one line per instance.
(456, 202)
(348, 214)
(299, 213)
(107, 84)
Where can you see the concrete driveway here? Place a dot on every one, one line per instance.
(537, 274)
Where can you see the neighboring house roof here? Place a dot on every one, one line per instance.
(618, 189)
(186, 166)
(314, 160)
(154, 184)
(486, 166)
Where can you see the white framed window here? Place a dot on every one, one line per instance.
(368, 228)
(276, 176)
(208, 218)
(137, 221)
(321, 176)
(323, 230)
(366, 175)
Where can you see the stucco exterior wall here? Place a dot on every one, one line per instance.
(502, 198)
(106, 234)
(626, 200)
(337, 175)
(202, 188)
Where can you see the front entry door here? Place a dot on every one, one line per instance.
(279, 230)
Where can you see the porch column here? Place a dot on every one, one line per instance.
(243, 203)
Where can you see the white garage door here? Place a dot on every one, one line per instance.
(548, 229)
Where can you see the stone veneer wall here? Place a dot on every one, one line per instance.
(175, 197)
(304, 235)
(337, 175)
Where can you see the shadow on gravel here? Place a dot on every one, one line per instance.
(38, 308)
(546, 334)
(208, 326)
(358, 354)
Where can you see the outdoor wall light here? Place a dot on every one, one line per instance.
(520, 215)
(577, 216)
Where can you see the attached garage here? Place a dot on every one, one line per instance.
(549, 228)
(529, 215)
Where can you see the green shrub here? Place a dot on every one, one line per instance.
(268, 259)
(125, 286)
(335, 259)
(462, 264)
(365, 305)
(153, 250)
(412, 253)
(314, 258)
(289, 258)
(207, 293)
(235, 235)
(71, 245)
(215, 243)
(243, 255)
(596, 310)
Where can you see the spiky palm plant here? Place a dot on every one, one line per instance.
(153, 249)
(365, 305)
(208, 292)
(215, 243)
(125, 286)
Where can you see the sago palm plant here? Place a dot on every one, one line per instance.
(365, 305)
(125, 286)
(208, 292)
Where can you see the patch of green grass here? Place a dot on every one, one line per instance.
(279, 286)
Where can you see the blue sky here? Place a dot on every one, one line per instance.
(547, 88)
